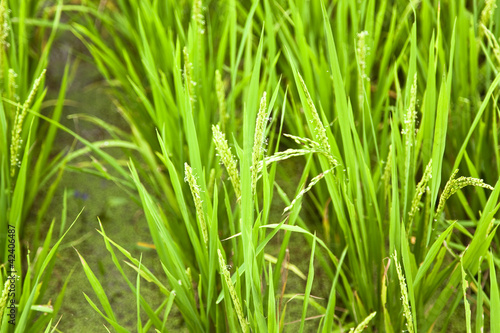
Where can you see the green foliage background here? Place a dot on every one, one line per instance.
(386, 111)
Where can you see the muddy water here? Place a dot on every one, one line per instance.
(122, 219)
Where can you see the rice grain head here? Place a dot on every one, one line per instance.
(188, 75)
(320, 130)
(221, 98)
(4, 298)
(198, 17)
(286, 154)
(195, 191)
(454, 185)
(492, 40)
(387, 172)
(404, 295)
(17, 129)
(361, 51)
(227, 158)
(410, 118)
(258, 142)
(13, 85)
(421, 188)
(4, 31)
(4, 23)
(487, 13)
(232, 292)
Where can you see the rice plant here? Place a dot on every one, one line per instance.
(27, 169)
(387, 111)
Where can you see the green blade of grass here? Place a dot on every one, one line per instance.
(310, 279)
(494, 297)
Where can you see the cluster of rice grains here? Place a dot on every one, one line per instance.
(18, 125)
(454, 185)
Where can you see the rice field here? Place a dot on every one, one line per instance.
(249, 166)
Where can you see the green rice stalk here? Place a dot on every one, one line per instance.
(454, 185)
(227, 159)
(479, 302)
(286, 154)
(494, 296)
(404, 295)
(309, 187)
(211, 182)
(18, 126)
(310, 147)
(232, 291)
(303, 141)
(387, 171)
(466, 303)
(258, 143)
(195, 191)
